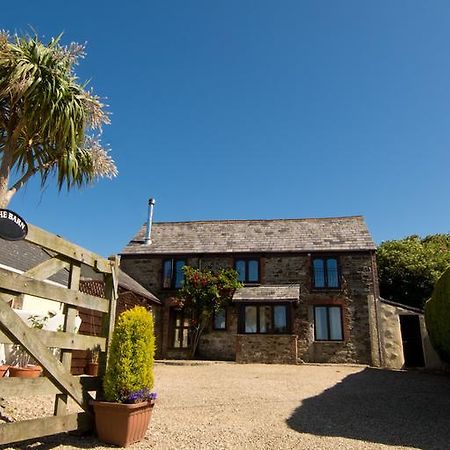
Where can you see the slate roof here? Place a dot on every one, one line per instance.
(267, 293)
(130, 284)
(22, 255)
(250, 236)
(402, 306)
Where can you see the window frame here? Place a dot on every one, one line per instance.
(214, 321)
(173, 262)
(174, 312)
(246, 260)
(271, 331)
(325, 258)
(328, 306)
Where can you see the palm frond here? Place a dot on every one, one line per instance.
(46, 116)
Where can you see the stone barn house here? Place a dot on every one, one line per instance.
(310, 288)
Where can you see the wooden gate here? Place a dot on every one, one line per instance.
(57, 378)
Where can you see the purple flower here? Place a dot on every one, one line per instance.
(142, 395)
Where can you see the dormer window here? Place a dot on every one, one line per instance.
(173, 275)
(325, 272)
(247, 269)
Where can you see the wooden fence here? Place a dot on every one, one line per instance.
(57, 378)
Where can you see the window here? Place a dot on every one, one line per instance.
(220, 319)
(173, 275)
(181, 326)
(264, 319)
(247, 269)
(325, 273)
(328, 323)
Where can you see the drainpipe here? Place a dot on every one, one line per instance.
(376, 295)
(148, 232)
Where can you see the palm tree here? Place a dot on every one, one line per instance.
(49, 123)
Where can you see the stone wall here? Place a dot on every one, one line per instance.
(391, 338)
(266, 348)
(220, 344)
(356, 296)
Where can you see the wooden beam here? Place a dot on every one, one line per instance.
(59, 339)
(15, 282)
(111, 293)
(19, 332)
(36, 428)
(59, 245)
(23, 387)
(44, 270)
(47, 268)
(70, 314)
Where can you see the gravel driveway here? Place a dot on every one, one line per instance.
(231, 406)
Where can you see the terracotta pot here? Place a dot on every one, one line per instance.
(92, 369)
(29, 371)
(122, 424)
(3, 370)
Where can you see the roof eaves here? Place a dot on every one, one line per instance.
(401, 305)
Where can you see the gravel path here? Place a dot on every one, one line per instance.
(231, 406)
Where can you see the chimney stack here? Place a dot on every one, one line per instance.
(148, 232)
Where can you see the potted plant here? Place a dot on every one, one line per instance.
(92, 365)
(3, 368)
(123, 414)
(22, 364)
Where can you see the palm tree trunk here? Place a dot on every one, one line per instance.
(5, 165)
(5, 169)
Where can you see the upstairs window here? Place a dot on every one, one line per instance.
(247, 269)
(173, 275)
(328, 323)
(325, 273)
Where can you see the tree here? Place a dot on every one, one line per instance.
(49, 123)
(204, 292)
(409, 268)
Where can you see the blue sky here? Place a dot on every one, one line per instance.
(257, 109)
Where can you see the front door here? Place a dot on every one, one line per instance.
(412, 340)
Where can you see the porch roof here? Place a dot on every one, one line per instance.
(267, 293)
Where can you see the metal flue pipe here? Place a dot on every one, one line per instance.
(148, 231)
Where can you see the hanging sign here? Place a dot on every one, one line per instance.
(12, 226)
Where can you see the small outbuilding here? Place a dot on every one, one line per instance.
(404, 337)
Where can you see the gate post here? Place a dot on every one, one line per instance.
(111, 281)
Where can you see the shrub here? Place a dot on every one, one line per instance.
(437, 316)
(130, 365)
(409, 268)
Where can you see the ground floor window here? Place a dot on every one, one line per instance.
(328, 323)
(180, 325)
(264, 319)
(220, 319)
